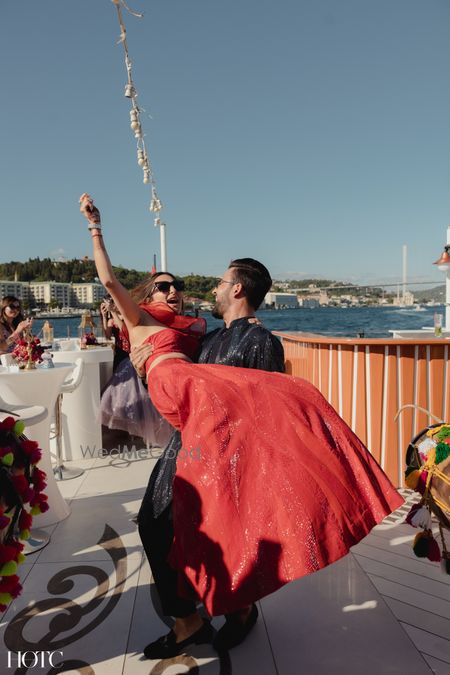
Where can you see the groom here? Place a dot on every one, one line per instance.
(243, 343)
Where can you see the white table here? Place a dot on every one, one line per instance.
(80, 409)
(40, 387)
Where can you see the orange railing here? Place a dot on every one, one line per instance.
(368, 380)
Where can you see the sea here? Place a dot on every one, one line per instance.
(372, 321)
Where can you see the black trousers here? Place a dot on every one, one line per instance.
(157, 535)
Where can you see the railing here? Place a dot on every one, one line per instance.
(368, 380)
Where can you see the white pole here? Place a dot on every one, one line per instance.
(447, 291)
(405, 249)
(162, 231)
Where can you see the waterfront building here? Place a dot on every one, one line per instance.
(281, 300)
(87, 294)
(47, 293)
(404, 300)
(50, 292)
(19, 289)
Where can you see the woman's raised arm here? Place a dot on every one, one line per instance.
(122, 299)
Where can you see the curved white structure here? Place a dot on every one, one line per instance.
(40, 387)
(82, 431)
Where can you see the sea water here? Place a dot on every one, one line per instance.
(373, 321)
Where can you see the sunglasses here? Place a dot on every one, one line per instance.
(14, 306)
(165, 286)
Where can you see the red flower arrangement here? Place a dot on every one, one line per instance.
(21, 497)
(28, 348)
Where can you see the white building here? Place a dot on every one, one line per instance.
(19, 289)
(50, 292)
(281, 300)
(87, 294)
(46, 292)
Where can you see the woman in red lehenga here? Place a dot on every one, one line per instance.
(282, 487)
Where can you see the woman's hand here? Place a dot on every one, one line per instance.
(89, 211)
(24, 325)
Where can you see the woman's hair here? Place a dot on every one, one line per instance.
(7, 300)
(144, 291)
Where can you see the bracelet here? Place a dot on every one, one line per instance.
(94, 226)
(97, 234)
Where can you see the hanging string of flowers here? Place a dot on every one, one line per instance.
(21, 497)
(135, 117)
(428, 473)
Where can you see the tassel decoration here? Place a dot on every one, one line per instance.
(412, 479)
(421, 518)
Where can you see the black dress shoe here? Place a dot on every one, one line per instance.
(167, 646)
(235, 631)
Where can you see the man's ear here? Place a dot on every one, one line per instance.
(238, 291)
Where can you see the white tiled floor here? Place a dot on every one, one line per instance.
(379, 610)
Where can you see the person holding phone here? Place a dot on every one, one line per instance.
(12, 323)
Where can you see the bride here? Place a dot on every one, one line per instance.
(281, 486)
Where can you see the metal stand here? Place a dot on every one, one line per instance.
(60, 471)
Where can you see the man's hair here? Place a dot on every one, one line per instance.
(254, 277)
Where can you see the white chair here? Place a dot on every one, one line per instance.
(62, 472)
(29, 414)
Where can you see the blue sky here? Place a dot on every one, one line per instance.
(311, 134)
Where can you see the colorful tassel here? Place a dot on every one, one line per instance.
(420, 545)
(421, 518)
(442, 452)
(412, 479)
(422, 482)
(442, 433)
(413, 510)
(434, 552)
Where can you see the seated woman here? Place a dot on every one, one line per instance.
(12, 323)
(282, 486)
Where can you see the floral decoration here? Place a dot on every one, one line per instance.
(28, 348)
(21, 497)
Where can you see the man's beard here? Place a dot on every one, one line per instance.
(217, 311)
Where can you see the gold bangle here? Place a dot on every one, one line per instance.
(97, 234)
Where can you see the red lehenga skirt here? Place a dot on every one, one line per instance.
(271, 483)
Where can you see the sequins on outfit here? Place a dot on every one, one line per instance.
(271, 484)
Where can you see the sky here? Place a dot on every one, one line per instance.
(313, 135)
